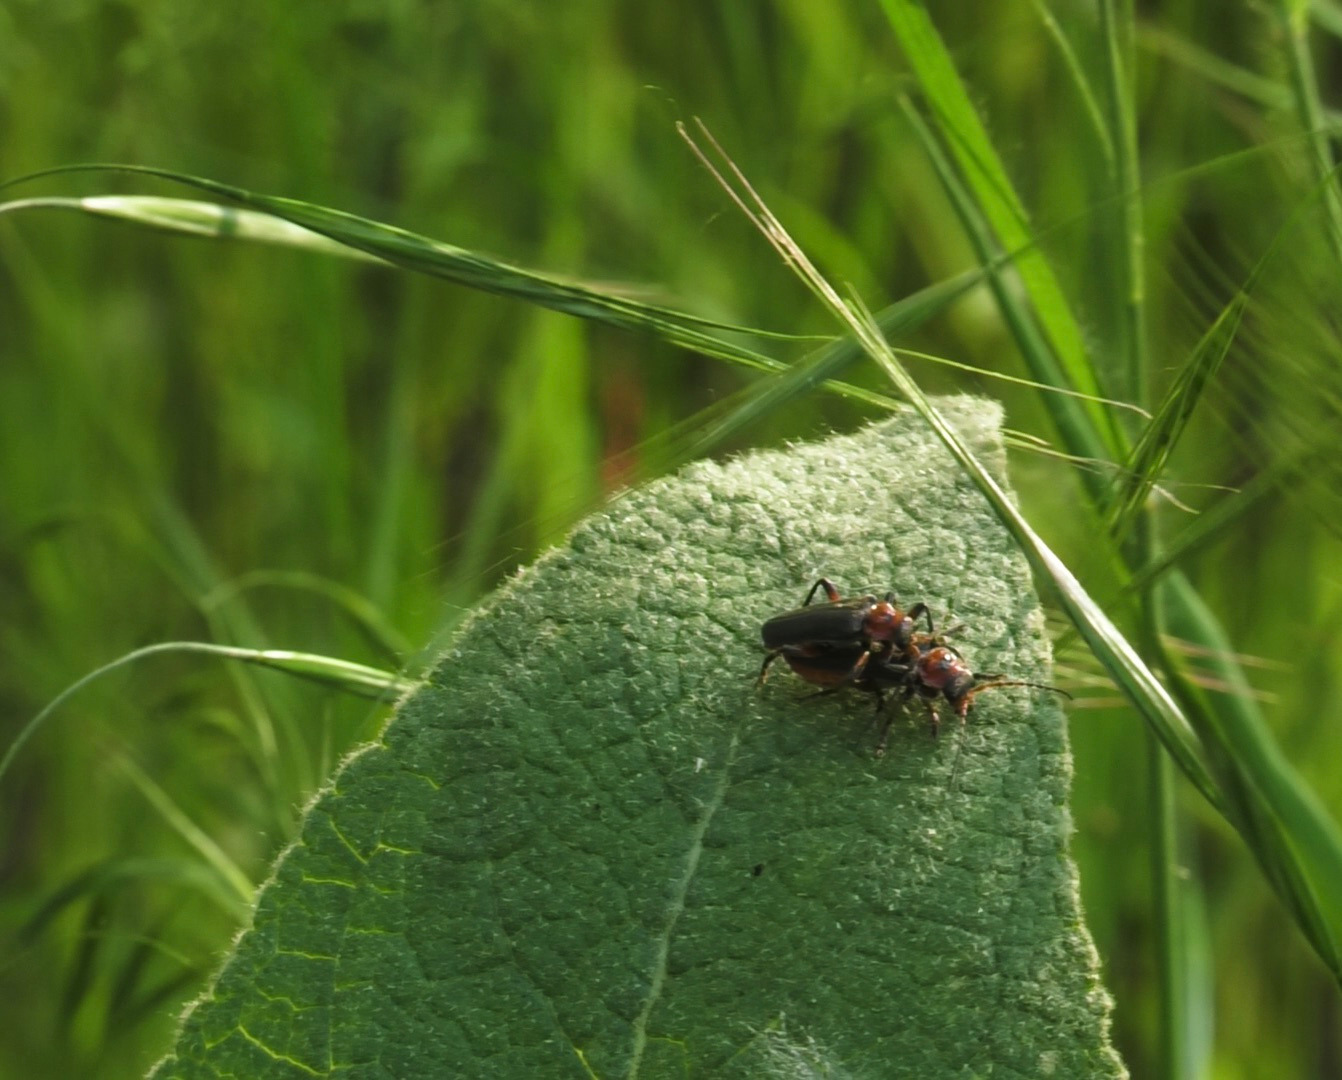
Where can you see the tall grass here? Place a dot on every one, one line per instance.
(259, 445)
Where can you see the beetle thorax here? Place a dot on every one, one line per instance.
(885, 622)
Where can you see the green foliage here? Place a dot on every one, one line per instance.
(588, 847)
(1151, 208)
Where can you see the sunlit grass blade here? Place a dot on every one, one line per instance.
(342, 674)
(277, 226)
(1124, 665)
(191, 217)
(1158, 440)
(1076, 422)
(1004, 213)
(412, 251)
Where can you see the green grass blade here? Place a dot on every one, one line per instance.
(411, 251)
(1002, 208)
(822, 368)
(191, 217)
(361, 611)
(342, 674)
(180, 822)
(1158, 440)
(1168, 914)
(110, 875)
(1127, 222)
(1077, 73)
(1327, 16)
(1293, 19)
(1291, 834)
(1216, 70)
(1075, 422)
(276, 226)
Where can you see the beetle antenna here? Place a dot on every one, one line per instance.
(995, 683)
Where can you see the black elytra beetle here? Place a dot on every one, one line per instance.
(858, 628)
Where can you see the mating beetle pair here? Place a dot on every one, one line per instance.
(873, 646)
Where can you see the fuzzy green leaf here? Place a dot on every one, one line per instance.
(589, 847)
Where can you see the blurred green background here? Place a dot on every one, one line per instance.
(206, 440)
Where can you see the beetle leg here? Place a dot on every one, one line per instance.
(935, 718)
(831, 593)
(764, 667)
(885, 736)
(855, 672)
(923, 609)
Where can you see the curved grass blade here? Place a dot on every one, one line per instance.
(361, 611)
(191, 217)
(342, 674)
(276, 227)
(820, 369)
(1090, 105)
(412, 251)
